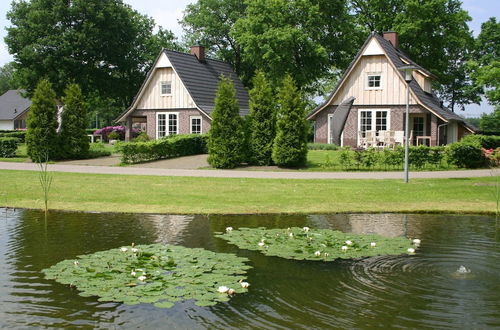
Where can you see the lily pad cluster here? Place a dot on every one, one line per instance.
(316, 244)
(157, 274)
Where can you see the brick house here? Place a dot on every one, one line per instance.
(178, 95)
(371, 96)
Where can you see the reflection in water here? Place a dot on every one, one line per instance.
(424, 290)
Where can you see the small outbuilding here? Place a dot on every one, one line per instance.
(14, 108)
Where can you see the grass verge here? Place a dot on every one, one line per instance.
(185, 195)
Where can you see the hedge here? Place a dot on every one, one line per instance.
(21, 135)
(322, 146)
(485, 141)
(8, 146)
(168, 147)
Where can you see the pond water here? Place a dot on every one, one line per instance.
(420, 291)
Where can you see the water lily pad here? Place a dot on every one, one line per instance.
(156, 274)
(316, 244)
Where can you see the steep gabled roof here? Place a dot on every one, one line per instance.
(396, 57)
(13, 104)
(200, 78)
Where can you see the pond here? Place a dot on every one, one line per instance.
(419, 291)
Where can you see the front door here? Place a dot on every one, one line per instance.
(418, 127)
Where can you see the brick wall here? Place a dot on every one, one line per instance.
(184, 120)
(351, 126)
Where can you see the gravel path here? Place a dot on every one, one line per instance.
(245, 174)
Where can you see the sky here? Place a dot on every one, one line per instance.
(167, 13)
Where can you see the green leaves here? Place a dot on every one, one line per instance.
(157, 274)
(315, 244)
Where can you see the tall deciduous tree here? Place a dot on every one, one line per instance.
(485, 64)
(304, 38)
(290, 144)
(210, 22)
(7, 79)
(434, 33)
(262, 119)
(74, 142)
(103, 45)
(226, 138)
(41, 137)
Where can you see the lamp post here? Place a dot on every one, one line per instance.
(408, 70)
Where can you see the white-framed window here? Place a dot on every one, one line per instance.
(165, 88)
(374, 81)
(373, 120)
(167, 123)
(196, 123)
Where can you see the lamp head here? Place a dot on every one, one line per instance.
(408, 70)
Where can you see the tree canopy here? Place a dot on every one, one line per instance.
(103, 45)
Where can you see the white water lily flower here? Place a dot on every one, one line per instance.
(411, 250)
(306, 229)
(373, 244)
(134, 250)
(142, 278)
(228, 229)
(261, 244)
(317, 253)
(231, 291)
(133, 273)
(245, 284)
(291, 234)
(416, 241)
(223, 289)
(327, 254)
(76, 263)
(348, 242)
(344, 248)
(124, 249)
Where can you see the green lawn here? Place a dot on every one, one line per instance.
(183, 195)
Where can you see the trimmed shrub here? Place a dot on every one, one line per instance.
(485, 141)
(97, 149)
(261, 121)
(175, 146)
(346, 158)
(290, 144)
(114, 136)
(8, 146)
(394, 158)
(418, 156)
(465, 154)
(73, 139)
(142, 137)
(41, 137)
(21, 135)
(322, 146)
(226, 138)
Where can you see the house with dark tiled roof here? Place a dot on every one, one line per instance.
(370, 100)
(13, 110)
(178, 95)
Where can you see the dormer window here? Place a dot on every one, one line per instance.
(374, 81)
(165, 88)
(427, 86)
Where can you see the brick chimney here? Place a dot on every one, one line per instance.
(199, 52)
(392, 37)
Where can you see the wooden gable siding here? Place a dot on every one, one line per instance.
(151, 98)
(393, 90)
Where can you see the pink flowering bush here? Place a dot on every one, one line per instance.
(493, 156)
(120, 130)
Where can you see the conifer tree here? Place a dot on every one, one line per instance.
(290, 144)
(41, 135)
(226, 138)
(262, 119)
(73, 138)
